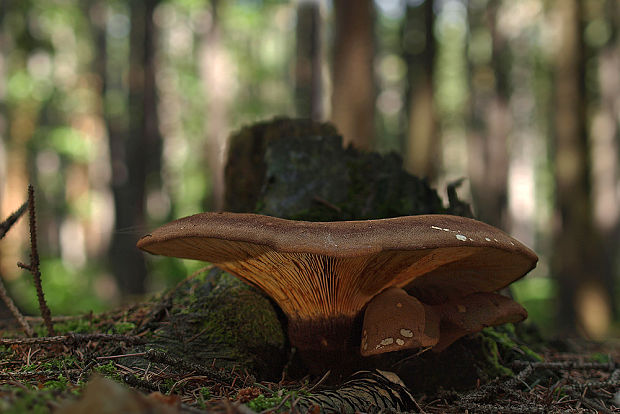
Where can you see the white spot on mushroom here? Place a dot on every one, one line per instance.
(387, 341)
(331, 241)
(487, 239)
(406, 333)
(435, 227)
(399, 305)
(400, 342)
(446, 229)
(461, 237)
(461, 308)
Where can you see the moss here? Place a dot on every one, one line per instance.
(108, 370)
(21, 401)
(73, 326)
(262, 403)
(492, 366)
(224, 319)
(61, 383)
(600, 358)
(122, 328)
(513, 348)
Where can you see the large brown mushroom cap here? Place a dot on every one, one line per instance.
(334, 268)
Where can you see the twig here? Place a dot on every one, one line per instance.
(71, 339)
(29, 374)
(136, 354)
(322, 380)
(33, 267)
(326, 203)
(162, 357)
(566, 365)
(6, 225)
(14, 310)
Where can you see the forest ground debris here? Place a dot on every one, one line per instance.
(571, 383)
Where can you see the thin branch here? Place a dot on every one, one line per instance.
(163, 358)
(33, 267)
(4, 295)
(6, 225)
(70, 339)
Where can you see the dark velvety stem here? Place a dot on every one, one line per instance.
(327, 344)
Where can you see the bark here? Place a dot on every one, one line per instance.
(353, 94)
(421, 145)
(605, 160)
(135, 153)
(490, 117)
(308, 83)
(577, 256)
(216, 72)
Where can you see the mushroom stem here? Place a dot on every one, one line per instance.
(326, 343)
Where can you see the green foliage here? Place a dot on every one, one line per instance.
(537, 294)
(67, 290)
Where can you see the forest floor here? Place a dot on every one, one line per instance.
(51, 374)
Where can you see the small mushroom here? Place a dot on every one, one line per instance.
(394, 321)
(322, 275)
(473, 313)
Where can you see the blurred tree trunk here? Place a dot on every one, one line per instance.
(490, 115)
(605, 137)
(419, 46)
(4, 310)
(577, 259)
(216, 72)
(308, 85)
(135, 153)
(353, 86)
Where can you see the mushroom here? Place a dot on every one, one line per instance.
(395, 321)
(322, 275)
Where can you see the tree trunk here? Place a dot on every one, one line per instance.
(488, 139)
(576, 262)
(308, 84)
(605, 155)
(216, 72)
(353, 95)
(135, 153)
(421, 145)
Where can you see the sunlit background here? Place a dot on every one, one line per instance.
(458, 88)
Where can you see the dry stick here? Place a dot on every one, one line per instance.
(14, 310)
(163, 358)
(33, 267)
(8, 223)
(71, 339)
(5, 226)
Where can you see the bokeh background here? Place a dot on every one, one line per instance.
(118, 113)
